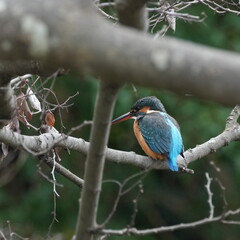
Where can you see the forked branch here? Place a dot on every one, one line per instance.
(210, 219)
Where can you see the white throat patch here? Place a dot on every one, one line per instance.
(151, 111)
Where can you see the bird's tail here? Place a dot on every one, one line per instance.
(172, 163)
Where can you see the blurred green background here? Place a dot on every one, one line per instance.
(26, 198)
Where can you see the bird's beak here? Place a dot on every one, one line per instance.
(123, 117)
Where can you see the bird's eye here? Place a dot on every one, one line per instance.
(134, 110)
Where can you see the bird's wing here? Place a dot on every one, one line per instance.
(178, 127)
(174, 121)
(156, 132)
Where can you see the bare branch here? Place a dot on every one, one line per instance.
(134, 231)
(43, 143)
(231, 133)
(20, 79)
(210, 219)
(2, 235)
(135, 206)
(210, 195)
(222, 7)
(47, 177)
(95, 160)
(121, 192)
(231, 222)
(233, 117)
(148, 59)
(53, 175)
(63, 171)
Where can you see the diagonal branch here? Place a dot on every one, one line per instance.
(63, 171)
(231, 133)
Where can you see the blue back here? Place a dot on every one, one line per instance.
(162, 135)
(176, 146)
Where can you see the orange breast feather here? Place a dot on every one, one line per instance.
(144, 145)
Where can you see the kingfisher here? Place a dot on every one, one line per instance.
(156, 131)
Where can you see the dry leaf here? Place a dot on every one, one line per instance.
(49, 118)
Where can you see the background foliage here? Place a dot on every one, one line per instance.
(168, 198)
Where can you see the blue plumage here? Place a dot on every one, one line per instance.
(162, 135)
(176, 144)
(157, 132)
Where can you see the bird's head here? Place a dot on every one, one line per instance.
(141, 107)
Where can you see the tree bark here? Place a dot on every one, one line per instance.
(95, 161)
(43, 143)
(84, 42)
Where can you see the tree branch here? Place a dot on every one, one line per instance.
(95, 160)
(210, 196)
(134, 231)
(231, 133)
(162, 64)
(63, 171)
(221, 218)
(45, 142)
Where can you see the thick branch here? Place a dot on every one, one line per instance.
(95, 161)
(180, 66)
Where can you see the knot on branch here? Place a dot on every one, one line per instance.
(232, 120)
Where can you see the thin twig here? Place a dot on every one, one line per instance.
(15, 81)
(64, 172)
(231, 222)
(210, 195)
(122, 192)
(136, 232)
(135, 206)
(221, 218)
(46, 177)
